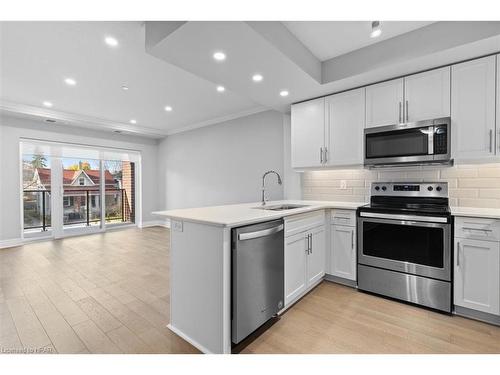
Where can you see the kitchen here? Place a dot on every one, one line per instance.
(325, 195)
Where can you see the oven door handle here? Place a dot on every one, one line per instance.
(406, 218)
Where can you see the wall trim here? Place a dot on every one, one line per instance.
(155, 223)
(14, 242)
(219, 120)
(195, 343)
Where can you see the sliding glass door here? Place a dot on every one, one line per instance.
(72, 189)
(81, 199)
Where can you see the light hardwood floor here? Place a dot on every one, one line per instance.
(109, 293)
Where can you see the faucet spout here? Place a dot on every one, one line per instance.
(264, 184)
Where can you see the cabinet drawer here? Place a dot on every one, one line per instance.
(478, 228)
(303, 222)
(344, 217)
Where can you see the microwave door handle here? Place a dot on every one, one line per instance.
(430, 140)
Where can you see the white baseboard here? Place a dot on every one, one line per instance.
(156, 223)
(195, 343)
(11, 243)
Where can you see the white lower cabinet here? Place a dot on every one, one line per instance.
(295, 266)
(343, 251)
(477, 275)
(316, 256)
(304, 258)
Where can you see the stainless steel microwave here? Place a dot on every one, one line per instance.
(422, 142)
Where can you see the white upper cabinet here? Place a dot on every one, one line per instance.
(473, 108)
(308, 133)
(346, 120)
(427, 95)
(384, 103)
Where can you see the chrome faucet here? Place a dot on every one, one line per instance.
(264, 184)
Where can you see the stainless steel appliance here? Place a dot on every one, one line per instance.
(404, 243)
(422, 142)
(257, 276)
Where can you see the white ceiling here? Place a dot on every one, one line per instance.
(328, 39)
(178, 69)
(35, 57)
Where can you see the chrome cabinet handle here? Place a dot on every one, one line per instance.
(307, 244)
(352, 239)
(321, 155)
(407, 111)
(491, 140)
(311, 244)
(326, 155)
(458, 254)
(399, 116)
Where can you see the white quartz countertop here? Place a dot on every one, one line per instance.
(249, 213)
(488, 213)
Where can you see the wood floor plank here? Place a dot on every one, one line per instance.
(104, 320)
(116, 299)
(95, 340)
(57, 328)
(29, 328)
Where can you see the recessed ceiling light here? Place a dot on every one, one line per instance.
(221, 88)
(257, 77)
(125, 88)
(110, 41)
(168, 108)
(133, 121)
(219, 56)
(47, 104)
(284, 93)
(376, 30)
(70, 81)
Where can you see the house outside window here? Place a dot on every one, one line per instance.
(81, 181)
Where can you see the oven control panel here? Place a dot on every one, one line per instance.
(410, 189)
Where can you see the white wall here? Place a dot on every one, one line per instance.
(12, 129)
(222, 163)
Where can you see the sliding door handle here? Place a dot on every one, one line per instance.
(491, 141)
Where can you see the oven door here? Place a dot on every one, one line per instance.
(403, 143)
(415, 247)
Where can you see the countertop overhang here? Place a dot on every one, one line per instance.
(248, 213)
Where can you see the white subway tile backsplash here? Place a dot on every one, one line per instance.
(470, 185)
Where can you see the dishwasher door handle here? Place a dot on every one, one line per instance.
(260, 233)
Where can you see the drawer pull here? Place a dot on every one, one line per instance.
(477, 229)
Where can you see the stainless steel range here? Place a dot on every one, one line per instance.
(404, 243)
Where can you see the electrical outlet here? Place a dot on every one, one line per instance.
(343, 184)
(176, 225)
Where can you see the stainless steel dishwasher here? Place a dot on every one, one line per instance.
(257, 276)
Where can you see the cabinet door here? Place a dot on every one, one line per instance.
(427, 95)
(317, 257)
(343, 252)
(295, 266)
(384, 103)
(477, 275)
(308, 133)
(473, 108)
(346, 121)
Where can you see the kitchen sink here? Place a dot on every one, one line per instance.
(282, 207)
